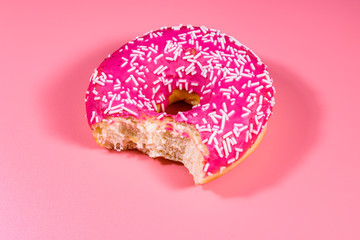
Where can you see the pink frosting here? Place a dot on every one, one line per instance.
(235, 89)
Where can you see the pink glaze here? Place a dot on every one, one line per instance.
(235, 89)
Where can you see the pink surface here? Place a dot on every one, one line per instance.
(301, 183)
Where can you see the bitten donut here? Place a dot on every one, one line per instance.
(229, 88)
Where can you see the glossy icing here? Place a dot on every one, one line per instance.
(235, 89)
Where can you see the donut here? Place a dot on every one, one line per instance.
(228, 88)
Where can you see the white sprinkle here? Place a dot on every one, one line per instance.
(266, 81)
(231, 113)
(252, 66)
(160, 116)
(155, 90)
(237, 131)
(162, 70)
(117, 106)
(190, 68)
(197, 55)
(225, 90)
(225, 148)
(134, 80)
(216, 141)
(231, 160)
(177, 53)
(158, 69)
(259, 88)
(261, 75)
(122, 65)
(141, 80)
(235, 90)
(134, 58)
(241, 59)
(258, 108)
(188, 56)
(228, 141)
(247, 136)
(254, 84)
(138, 52)
(140, 104)
(130, 111)
(212, 136)
(239, 149)
(237, 154)
(223, 118)
(256, 120)
(247, 111)
(152, 49)
(149, 54)
(159, 56)
(225, 107)
(206, 91)
(206, 167)
(219, 151)
(183, 116)
(92, 116)
(115, 111)
(227, 134)
(224, 114)
(204, 29)
(237, 63)
(180, 68)
(246, 75)
(213, 118)
(154, 104)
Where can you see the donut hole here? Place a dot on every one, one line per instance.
(181, 101)
(179, 106)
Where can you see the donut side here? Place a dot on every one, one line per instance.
(237, 162)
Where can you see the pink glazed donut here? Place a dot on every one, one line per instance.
(229, 88)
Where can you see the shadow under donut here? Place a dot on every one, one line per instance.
(64, 98)
(292, 131)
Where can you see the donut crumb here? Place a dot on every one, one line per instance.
(180, 142)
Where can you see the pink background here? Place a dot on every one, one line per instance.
(303, 182)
